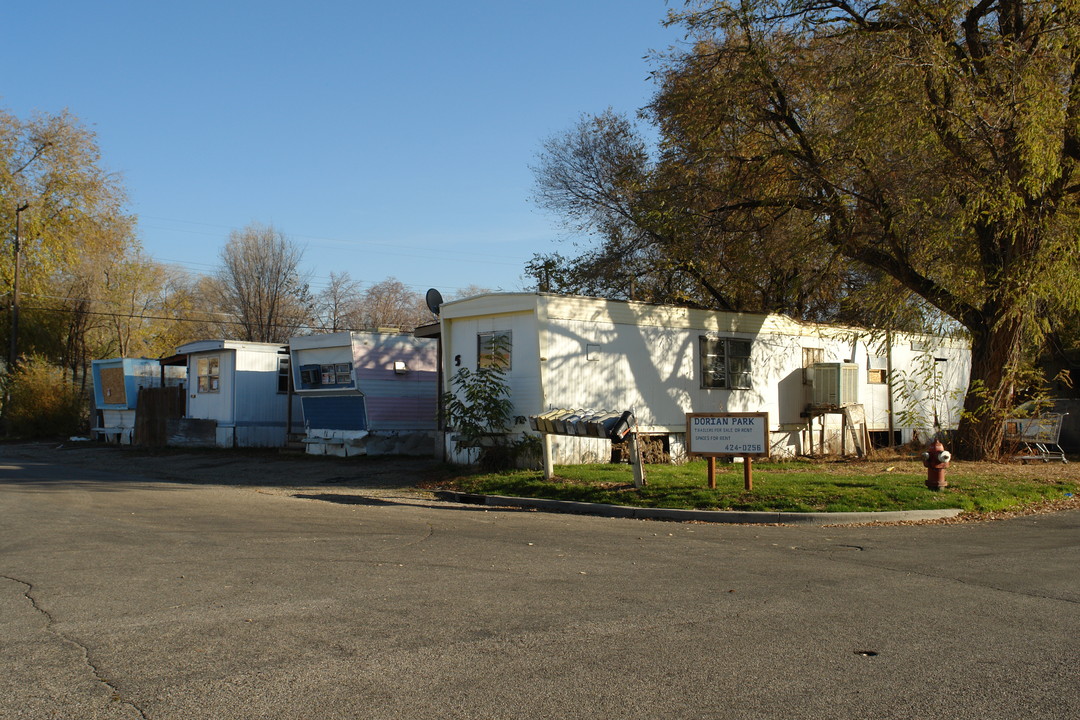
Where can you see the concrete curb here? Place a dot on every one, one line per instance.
(715, 516)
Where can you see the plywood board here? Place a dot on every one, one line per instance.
(112, 386)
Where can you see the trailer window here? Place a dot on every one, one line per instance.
(725, 363)
(283, 375)
(877, 370)
(493, 350)
(209, 374)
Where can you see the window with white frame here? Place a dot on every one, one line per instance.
(493, 349)
(725, 363)
(208, 372)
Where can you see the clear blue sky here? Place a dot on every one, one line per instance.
(389, 139)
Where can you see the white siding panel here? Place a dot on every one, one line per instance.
(323, 355)
(644, 368)
(941, 396)
(212, 405)
(655, 371)
(524, 375)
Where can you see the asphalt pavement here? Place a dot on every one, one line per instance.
(129, 595)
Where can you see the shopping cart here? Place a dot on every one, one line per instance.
(1036, 438)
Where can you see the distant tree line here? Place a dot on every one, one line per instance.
(88, 291)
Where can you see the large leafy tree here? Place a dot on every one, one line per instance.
(74, 229)
(933, 143)
(658, 240)
(932, 147)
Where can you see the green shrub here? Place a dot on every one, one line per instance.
(481, 412)
(41, 402)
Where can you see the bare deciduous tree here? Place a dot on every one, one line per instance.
(391, 304)
(337, 307)
(262, 286)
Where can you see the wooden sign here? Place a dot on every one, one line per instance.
(713, 435)
(727, 434)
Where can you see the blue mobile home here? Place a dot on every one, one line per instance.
(117, 382)
(238, 395)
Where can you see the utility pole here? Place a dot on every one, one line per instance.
(13, 352)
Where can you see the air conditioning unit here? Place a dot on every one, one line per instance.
(835, 384)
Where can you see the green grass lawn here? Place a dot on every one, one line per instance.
(794, 486)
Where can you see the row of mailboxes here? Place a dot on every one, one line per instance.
(585, 423)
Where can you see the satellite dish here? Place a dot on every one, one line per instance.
(434, 300)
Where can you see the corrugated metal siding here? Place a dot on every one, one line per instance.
(655, 371)
(594, 310)
(945, 399)
(272, 435)
(247, 399)
(257, 396)
(402, 413)
(397, 402)
(647, 368)
(336, 412)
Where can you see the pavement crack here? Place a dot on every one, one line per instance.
(427, 536)
(50, 623)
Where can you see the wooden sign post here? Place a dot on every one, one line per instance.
(713, 435)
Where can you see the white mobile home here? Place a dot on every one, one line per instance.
(663, 362)
(367, 392)
(238, 395)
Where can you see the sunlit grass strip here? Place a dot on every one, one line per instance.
(780, 487)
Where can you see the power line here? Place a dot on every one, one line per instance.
(339, 244)
(321, 281)
(178, 318)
